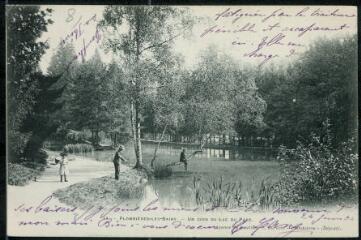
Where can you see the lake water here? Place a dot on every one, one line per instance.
(248, 166)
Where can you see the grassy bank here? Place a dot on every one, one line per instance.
(104, 191)
(20, 175)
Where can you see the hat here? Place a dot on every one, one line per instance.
(121, 147)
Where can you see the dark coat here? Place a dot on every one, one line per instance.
(116, 159)
(183, 157)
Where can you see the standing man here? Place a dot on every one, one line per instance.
(183, 158)
(117, 158)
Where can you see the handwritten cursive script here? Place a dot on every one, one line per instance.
(263, 34)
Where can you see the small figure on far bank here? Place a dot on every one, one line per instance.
(117, 158)
(63, 169)
(183, 158)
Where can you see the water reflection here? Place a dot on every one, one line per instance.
(176, 191)
(246, 165)
(254, 154)
(230, 154)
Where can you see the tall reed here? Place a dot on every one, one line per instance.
(78, 148)
(218, 193)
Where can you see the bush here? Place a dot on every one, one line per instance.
(27, 169)
(20, 175)
(316, 173)
(78, 148)
(39, 160)
(162, 171)
(17, 142)
(33, 151)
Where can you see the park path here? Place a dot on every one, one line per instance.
(81, 169)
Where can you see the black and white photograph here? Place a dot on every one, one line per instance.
(182, 121)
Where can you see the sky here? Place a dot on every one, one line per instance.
(254, 35)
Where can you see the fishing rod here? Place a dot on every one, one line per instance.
(189, 157)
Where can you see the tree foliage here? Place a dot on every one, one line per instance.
(62, 65)
(25, 24)
(117, 99)
(89, 104)
(320, 85)
(142, 37)
(220, 97)
(39, 122)
(326, 87)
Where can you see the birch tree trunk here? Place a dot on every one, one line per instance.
(136, 103)
(138, 144)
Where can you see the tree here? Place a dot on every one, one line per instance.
(250, 106)
(39, 122)
(117, 101)
(142, 36)
(25, 24)
(62, 62)
(62, 65)
(89, 106)
(207, 109)
(165, 104)
(279, 92)
(326, 88)
(219, 96)
(320, 86)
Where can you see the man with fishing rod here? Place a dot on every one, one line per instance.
(183, 159)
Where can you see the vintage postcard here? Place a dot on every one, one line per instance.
(182, 121)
